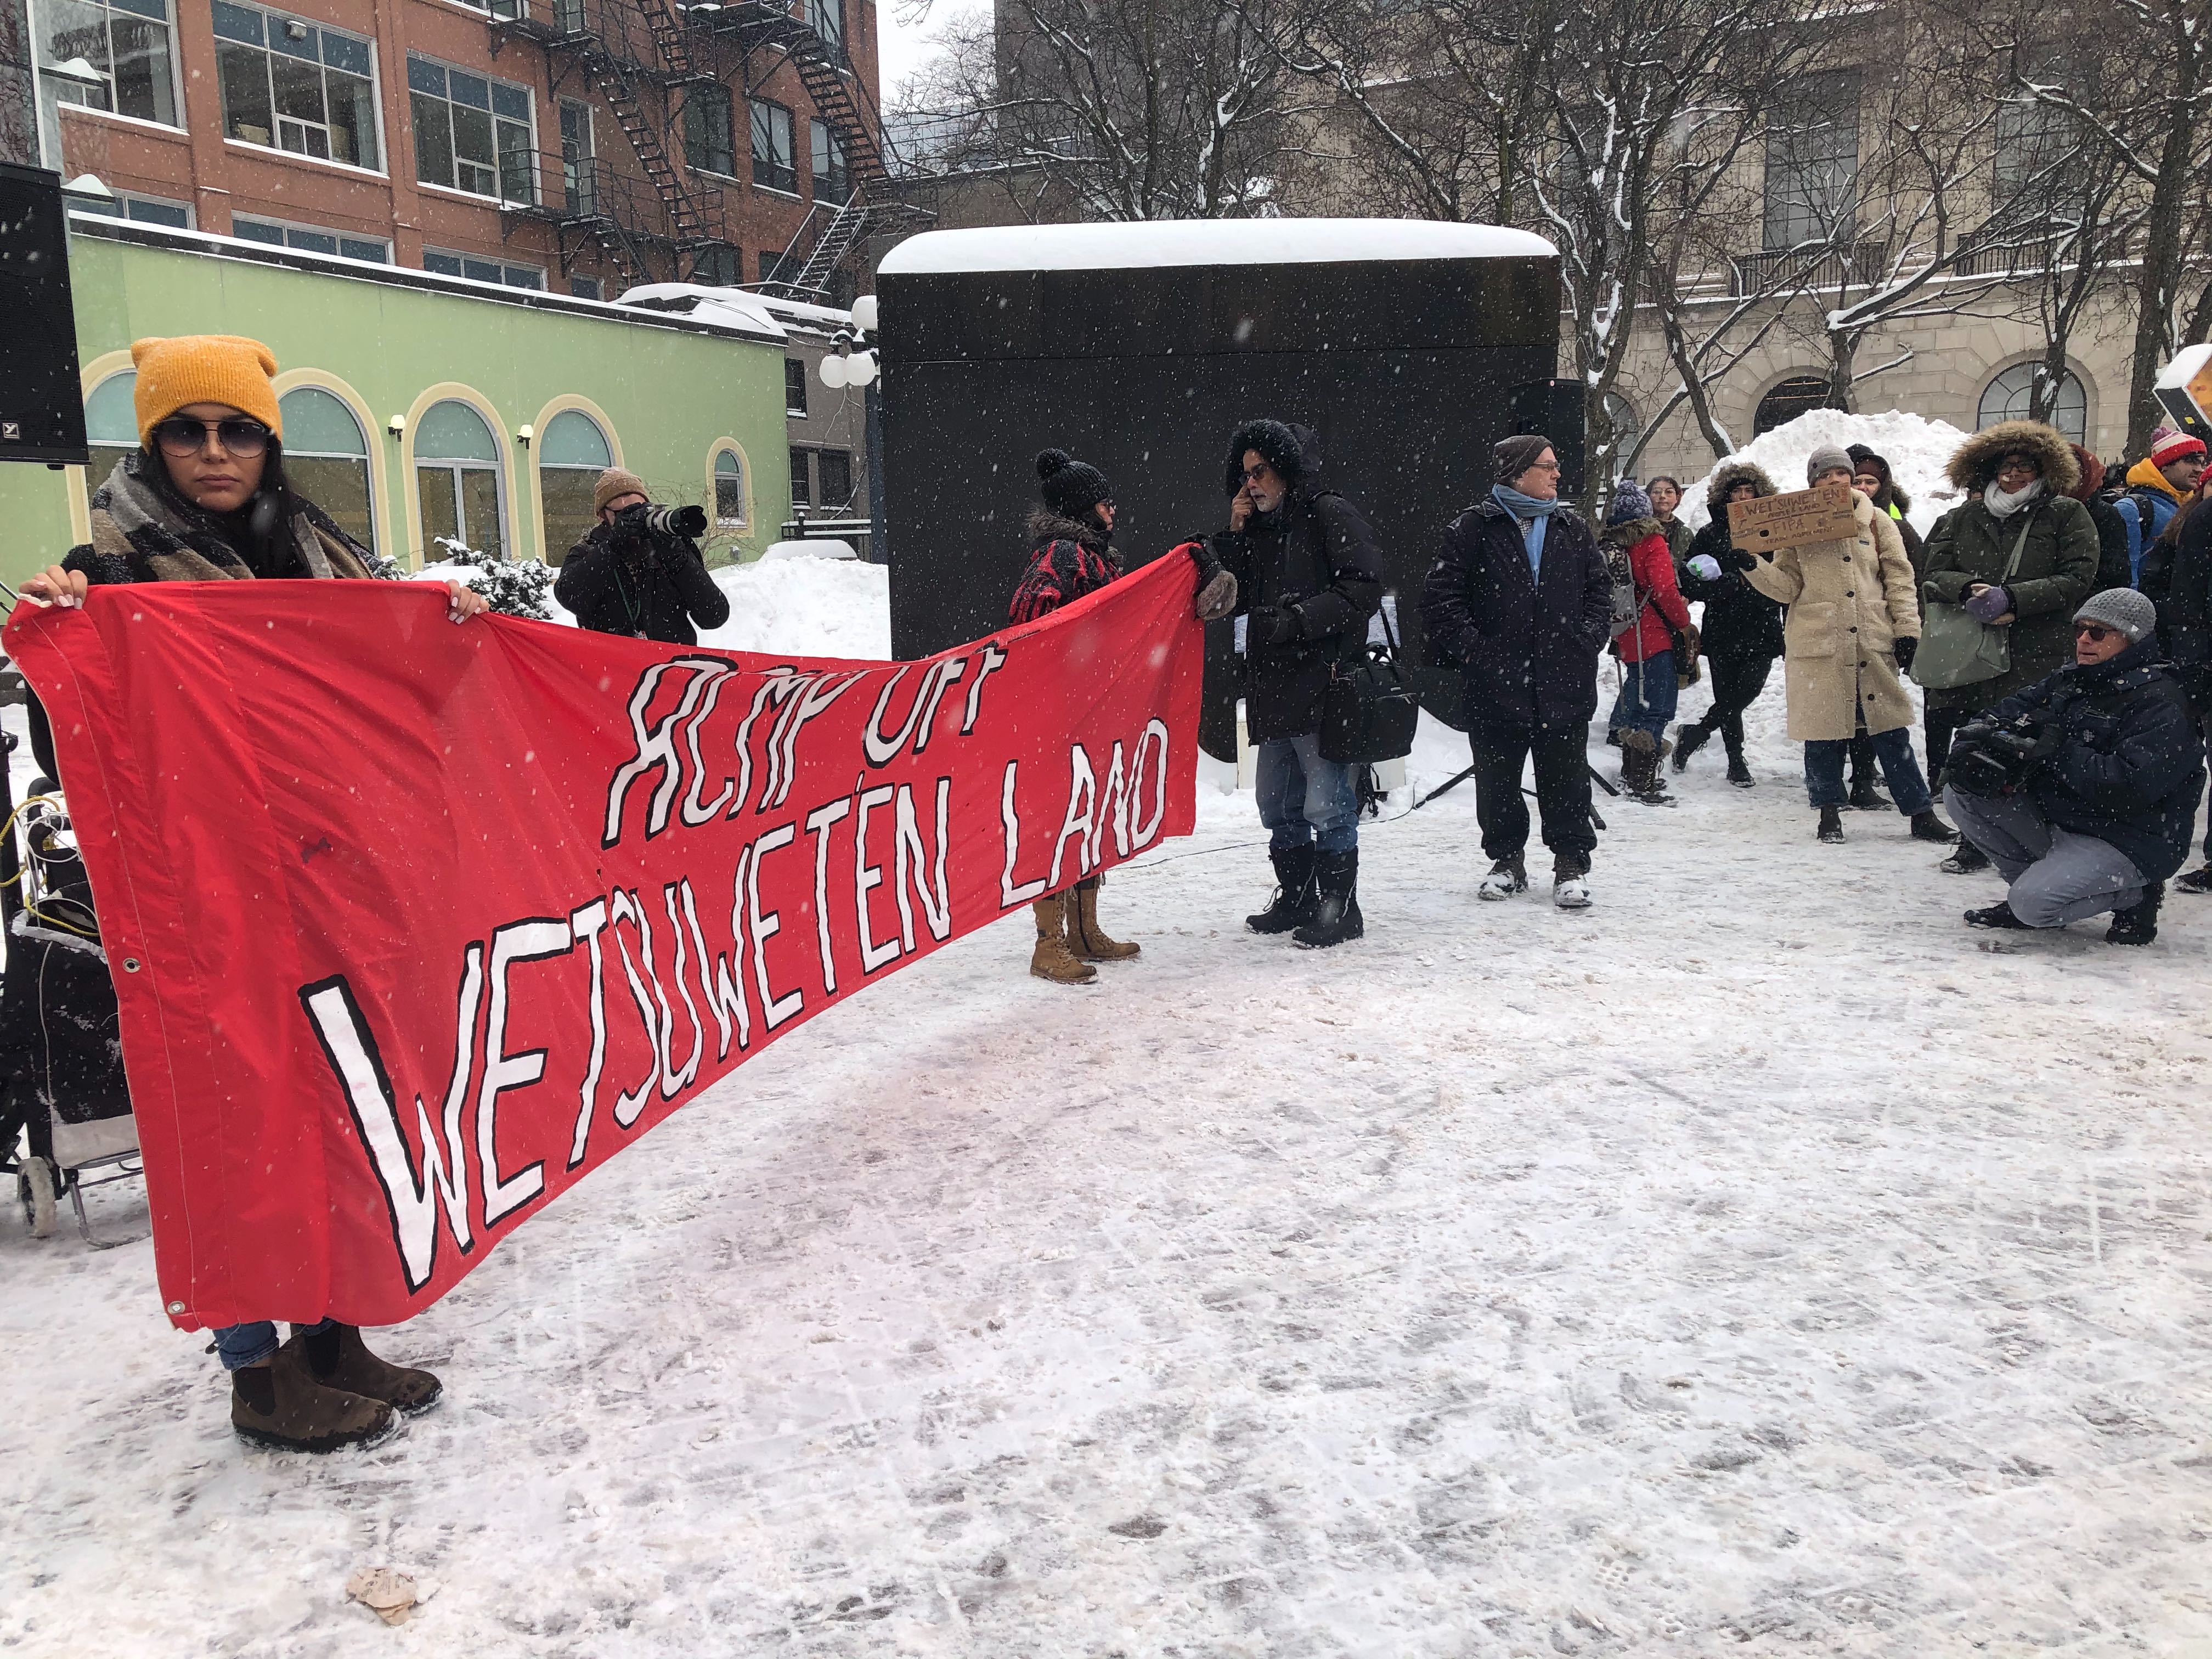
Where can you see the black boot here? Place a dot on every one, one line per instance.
(1967, 860)
(1926, 826)
(1507, 877)
(1739, 774)
(1688, 739)
(1732, 735)
(2138, 923)
(2198, 880)
(1293, 903)
(1998, 916)
(1639, 770)
(1865, 797)
(1336, 916)
(1831, 825)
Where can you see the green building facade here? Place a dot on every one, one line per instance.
(428, 415)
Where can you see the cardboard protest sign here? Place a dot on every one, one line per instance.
(1797, 519)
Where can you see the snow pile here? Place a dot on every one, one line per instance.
(1157, 243)
(806, 608)
(1916, 448)
(813, 550)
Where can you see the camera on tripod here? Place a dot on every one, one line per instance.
(651, 520)
(1997, 757)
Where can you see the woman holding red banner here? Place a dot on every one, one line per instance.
(1071, 555)
(205, 499)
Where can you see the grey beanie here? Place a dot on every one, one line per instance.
(1827, 458)
(1516, 455)
(2123, 608)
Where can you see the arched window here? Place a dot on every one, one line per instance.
(2012, 394)
(729, 490)
(1786, 402)
(456, 479)
(111, 425)
(326, 458)
(571, 455)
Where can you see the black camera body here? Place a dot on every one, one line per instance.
(1991, 759)
(648, 522)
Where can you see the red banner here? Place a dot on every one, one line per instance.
(413, 924)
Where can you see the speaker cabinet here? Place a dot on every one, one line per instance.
(41, 401)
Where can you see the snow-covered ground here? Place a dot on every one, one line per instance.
(1759, 1263)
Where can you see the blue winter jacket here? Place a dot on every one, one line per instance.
(2130, 765)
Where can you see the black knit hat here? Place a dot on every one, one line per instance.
(1516, 455)
(1070, 488)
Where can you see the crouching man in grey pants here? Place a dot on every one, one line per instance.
(2083, 787)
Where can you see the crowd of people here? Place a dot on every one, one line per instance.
(2061, 632)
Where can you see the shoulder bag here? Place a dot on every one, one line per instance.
(1367, 714)
(1958, 649)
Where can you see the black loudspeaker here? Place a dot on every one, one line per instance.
(1554, 407)
(41, 402)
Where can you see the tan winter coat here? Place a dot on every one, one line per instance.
(1850, 602)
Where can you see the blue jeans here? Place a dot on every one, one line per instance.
(1647, 695)
(1824, 770)
(240, 1346)
(1305, 797)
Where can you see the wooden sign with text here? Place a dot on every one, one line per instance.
(1797, 519)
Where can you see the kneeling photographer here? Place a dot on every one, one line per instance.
(639, 572)
(2082, 788)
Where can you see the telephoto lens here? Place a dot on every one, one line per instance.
(676, 521)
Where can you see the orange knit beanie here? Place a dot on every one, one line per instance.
(203, 368)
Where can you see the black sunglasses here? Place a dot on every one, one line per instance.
(181, 436)
(2094, 632)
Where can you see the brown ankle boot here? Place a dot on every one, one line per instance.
(1051, 959)
(280, 1405)
(1085, 938)
(339, 1359)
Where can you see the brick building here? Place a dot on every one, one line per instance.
(575, 146)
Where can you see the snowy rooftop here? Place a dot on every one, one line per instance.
(1161, 243)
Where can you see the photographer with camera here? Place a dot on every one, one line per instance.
(639, 572)
(2083, 787)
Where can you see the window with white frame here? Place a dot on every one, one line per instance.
(729, 490)
(457, 480)
(290, 84)
(116, 55)
(141, 209)
(308, 240)
(477, 269)
(572, 453)
(111, 425)
(472, 133)
(326, 458)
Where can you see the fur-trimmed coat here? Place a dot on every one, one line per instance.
(1850, 601)
(2057, 562)
(1068, 558)
(1741, 623)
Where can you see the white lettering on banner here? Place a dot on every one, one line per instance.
(532, 940)
(937, 906)
(993, 659)
(819, 823)
(586, 923)
(724, 991)
(764, 925)
(1082, 786)
(352, 1052)
(623, 907)
(866, 876)
(1141, 837)
(696, 811)
(1010, 895)
(656, 748)
(673, 1081)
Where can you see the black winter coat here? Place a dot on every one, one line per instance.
(1527, 645)
(1741, 623)
(2184, 620)
(616, 591)
(2129, 768)
(1314, 554)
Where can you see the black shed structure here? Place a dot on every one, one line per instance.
(1409, 346)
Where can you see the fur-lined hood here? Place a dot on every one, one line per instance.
(1866, 460)
(1045, 525)
(1293, 451)
(1735, 472)
(1976, 462)
(1635, 530)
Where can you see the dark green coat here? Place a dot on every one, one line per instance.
(2058, 572)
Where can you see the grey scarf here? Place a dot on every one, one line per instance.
(133, 521)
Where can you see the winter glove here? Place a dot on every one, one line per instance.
(1989, 604)
(1905, 649)
(1274, 625)
(1706, 568)
(1217, 588)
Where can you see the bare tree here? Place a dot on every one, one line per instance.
(1132, 109)
(2147, 100)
